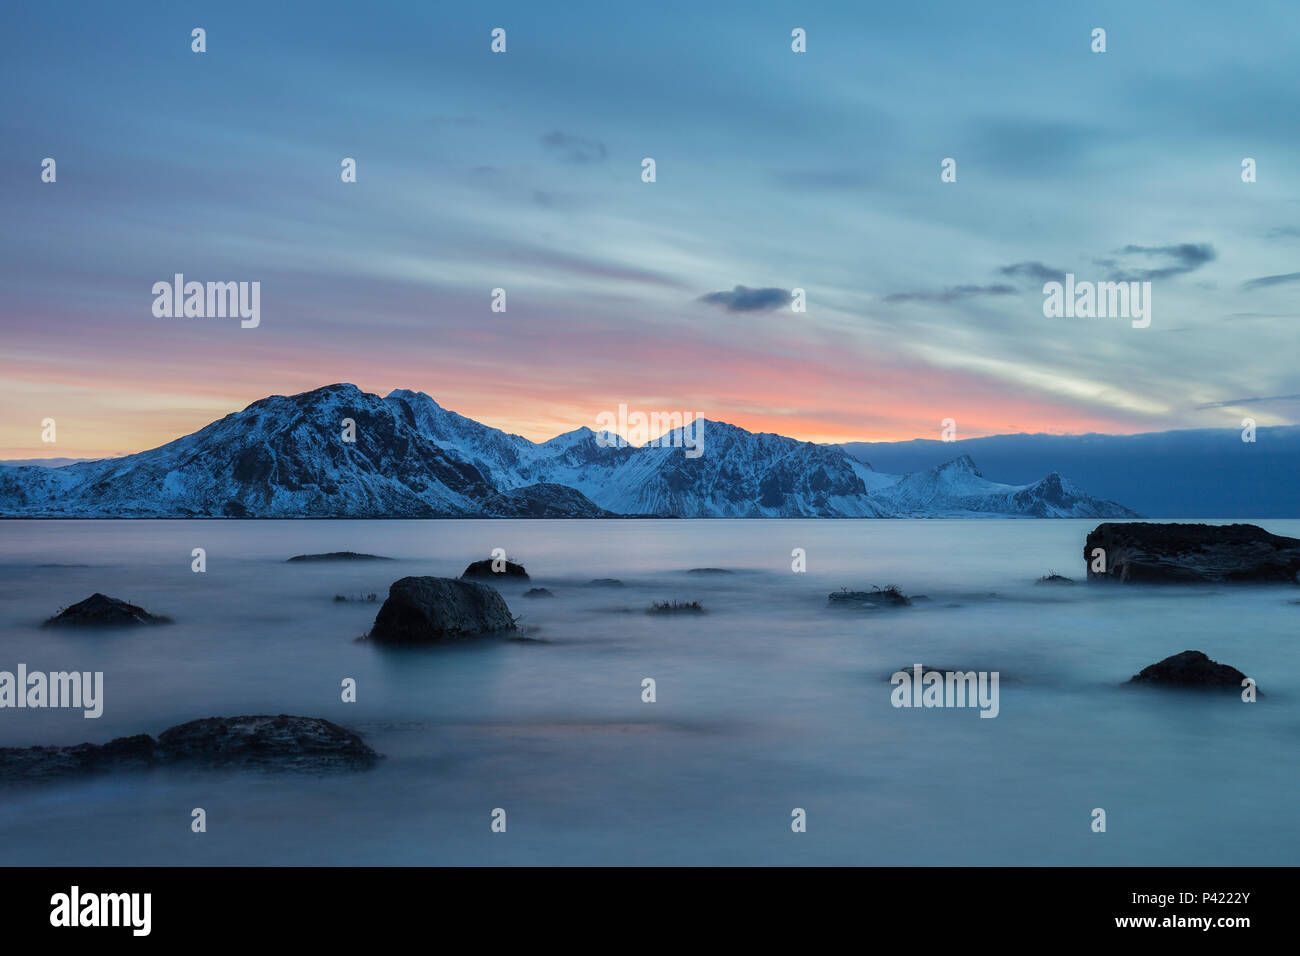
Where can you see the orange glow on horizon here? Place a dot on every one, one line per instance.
(115, 424)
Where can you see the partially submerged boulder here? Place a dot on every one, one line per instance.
(1051, 577)
(35, 764)
(422, 610)
(487, 569)
(282, 742)
(1143, 551)
(538, 593)
(1190, 669)
(100, 610)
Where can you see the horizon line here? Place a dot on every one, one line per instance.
(12, 461)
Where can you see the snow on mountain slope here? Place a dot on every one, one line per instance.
(737, 474)
(284, 456)
(957, 488)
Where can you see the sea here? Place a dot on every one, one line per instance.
(772, 736)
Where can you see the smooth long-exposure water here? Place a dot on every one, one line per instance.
(771, 700)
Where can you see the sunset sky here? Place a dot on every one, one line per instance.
(775, 170)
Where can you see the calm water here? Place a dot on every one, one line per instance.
(772, 700)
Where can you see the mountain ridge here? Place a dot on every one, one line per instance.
(288, 456)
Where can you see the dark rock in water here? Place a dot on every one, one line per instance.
(538, 592)
(422, 610)
(281, 742)
(1051, 577)
(676, 607)
(1158, 553)
(483, 569)
(1191, 669)
(263, 742)
(604, 583)
(889, 596)
(25, 764)
(100, 610)
(338, 556)
(709, 571)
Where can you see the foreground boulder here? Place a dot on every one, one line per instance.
(1190, 669)
(483, 570)
(100, 610)
(262, 742)
(422, 610)
(1148, 552)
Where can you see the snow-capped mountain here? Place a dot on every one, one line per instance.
(288, 456)
(958, 489)
(285, 457)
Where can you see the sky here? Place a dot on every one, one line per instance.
(775, 170)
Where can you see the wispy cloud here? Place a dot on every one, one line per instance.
(744, 299)
(1184, 257)
(1265, 281)
(1255, 400)
(952, 294)
(575, 149)
(1033, 270)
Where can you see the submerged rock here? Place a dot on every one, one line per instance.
(889, 596)
(422, 610)
(1051, 577)
(709, 571)
(1190, 669)
(483, 569)
(100, 610)
(604, 583)
(51, 763)
(676, 607)
(338, 556)
(538, 593)
(1147, 552)
(260, 742)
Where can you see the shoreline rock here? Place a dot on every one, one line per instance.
(429, 610)
(1146, 552)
